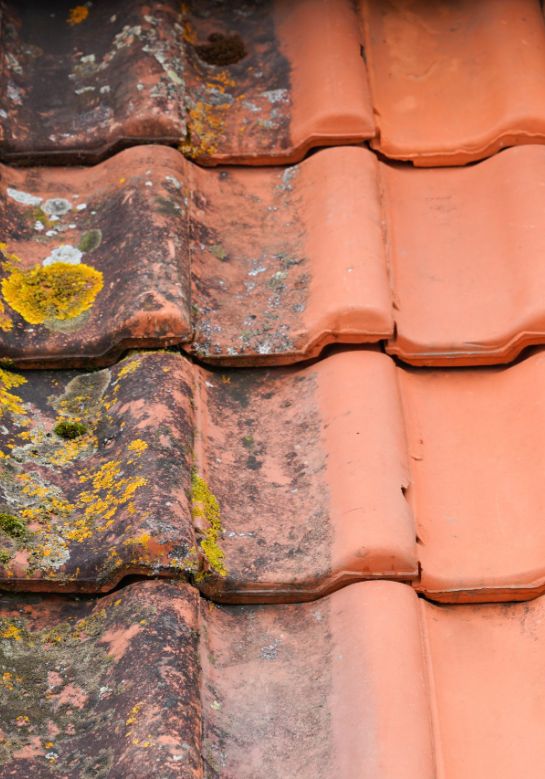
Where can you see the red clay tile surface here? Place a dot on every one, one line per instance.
(455, 82)
(93, 260)
(476, 453)
(254, 83)
(467, 258)
(95, 474)
(287, 260)
(101, 688)
(335, 688)
(309, 467)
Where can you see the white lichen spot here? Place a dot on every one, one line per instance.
(276, 95)
(257, 270)
(25, 198)
(65, 253)
(56, 207)
(88, 58)
(81, 206)
(174, 181)
(105, 89)
(39, 226)
(83, 90)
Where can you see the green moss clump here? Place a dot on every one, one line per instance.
(12, 526)
(69, 430)
(5, 556)
(205, 506)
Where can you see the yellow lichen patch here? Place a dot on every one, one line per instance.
(138, 446)
(10, 631)
(128, 368)
(6, 324)
(60, 291)
(9, 402)
(204, 506)
(77, 15)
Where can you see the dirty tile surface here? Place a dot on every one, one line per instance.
(246, 82)
(317, 690)
(95, 474)
(308, 466)
(101, 688)
(296, 260)
(93, 260)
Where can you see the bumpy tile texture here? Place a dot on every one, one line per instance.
(93, 259)
(253, 83)
(101, 688)
(96, 474)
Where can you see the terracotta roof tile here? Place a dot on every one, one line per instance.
(95, 474)
(337, 687)
(309, 467)
(455, 82)
(476, 454)
(106, 243)
(267, 266)
(468, 258)
(101, 688)
(295, 514)
(254, 83)
(286, 260)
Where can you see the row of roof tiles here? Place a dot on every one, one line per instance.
(259, 83)
(370, 682)
(275, 484)
(252, 266)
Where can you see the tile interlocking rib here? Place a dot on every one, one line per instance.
(251, 267)
(265, 82)
(101, 688)
(305, 479)
(239, 83)
(370, 681)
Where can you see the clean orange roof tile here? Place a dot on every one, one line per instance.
(476, 450)
(237, 83)
(95, 474)
(309, 467)
(106, 687)
(455, 82)
(92, 259)
(467, 256)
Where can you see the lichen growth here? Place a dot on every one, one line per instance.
(69, 430)
(59, 291)
(12, 526)
(205, 509)
(9, 402)
(90, 240)
(77, 15)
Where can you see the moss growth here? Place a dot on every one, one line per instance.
(204, 506)
(12, 526)
(59, 291)
(90, 241)
(5, 556)
(69, 430)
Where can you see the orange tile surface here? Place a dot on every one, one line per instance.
(309, 467)
(335, 688)
(467, 258)
(455, 82)
(287, 260)
(476, 451)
